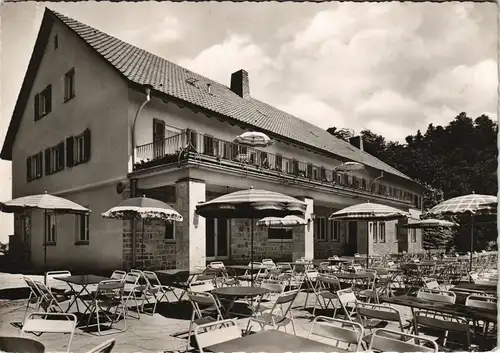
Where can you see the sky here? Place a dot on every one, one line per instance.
(392, 68)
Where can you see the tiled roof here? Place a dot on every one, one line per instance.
(141, 67)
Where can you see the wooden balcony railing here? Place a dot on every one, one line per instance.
(178, 148)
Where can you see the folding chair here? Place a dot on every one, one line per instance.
(39, 323)
(50, 281)
(132, 288)
(372, 316)
(335, 330)
(225, 330)
(484, 302)
(109, 295)
(154, 282)
(383, 340)
(284, 305)
(347, 296)
(118, 274)
(326, 289)
(206, 309)
(105, 347)
(35, 296)
(50, 302)
(275, 288)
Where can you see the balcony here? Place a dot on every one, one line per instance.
(193, 147)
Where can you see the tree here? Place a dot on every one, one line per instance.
(343, 134)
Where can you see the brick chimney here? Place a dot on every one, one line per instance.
(357, 141)
(240, 84)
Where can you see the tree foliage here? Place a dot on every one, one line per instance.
(449, 161)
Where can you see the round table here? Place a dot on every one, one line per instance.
(233, 293)
(20, 345)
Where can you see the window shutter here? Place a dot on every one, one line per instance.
(70, 143)
(60, 162)
(48, 98)
(86, 145)
(87, 226)
(37, 106)
(39, 170)
(47, 161)
(28, 168)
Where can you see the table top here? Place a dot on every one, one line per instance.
(478, 287)
(179, 271)
(447, 308)
(240, 291)
(20, 345)
(246, 267)
(353, 275)
(272, 341)
(83, 279)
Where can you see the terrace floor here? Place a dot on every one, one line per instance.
(164, 331)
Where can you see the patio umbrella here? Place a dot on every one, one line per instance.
(349, 167)
(251, 203)
(472, 204)
(45, 202)
(369, 212)
(430, 223)
(143, 208)
(253, 139)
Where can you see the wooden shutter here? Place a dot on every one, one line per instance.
(39, 170)
(86, 145)
(47, 161)
(28, 169)
(48, 99)
(37, 106)
(60, 162)
(70, 152)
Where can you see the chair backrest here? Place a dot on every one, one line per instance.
(132, 278)
(50, 275)
(152, 278)
(379, 312)
(328, 281)
(48, 300)
(216, 264)
(51, 323)
(481, 302)
(200, 300)
(110, 285)
(347, 296)
(443, 323)
(104, 347)
(432, 284)
(33, 287)
(273, 286)
(284, 302)
(335, 329)
(382, 341)
(437, 295)
(269, 263)
(118, 274)
(216, 332)
(201, 286)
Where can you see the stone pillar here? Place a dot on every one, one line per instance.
(191, 232)
(303, 237)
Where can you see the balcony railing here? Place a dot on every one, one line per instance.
(178, 148)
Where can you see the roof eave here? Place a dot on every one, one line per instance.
(27, 85)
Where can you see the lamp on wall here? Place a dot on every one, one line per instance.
(312, 217)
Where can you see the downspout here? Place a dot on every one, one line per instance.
(133, 182)
(374, 180)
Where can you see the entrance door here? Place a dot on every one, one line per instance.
(217, 239)
(351, 246)
(158, 138)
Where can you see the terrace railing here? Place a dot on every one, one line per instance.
(203, 147)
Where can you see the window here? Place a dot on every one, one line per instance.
(372, 229)
(413, 235)
(169, 231)
(50, 229)
(78, 149)
(320, 224)
(26, 224)
(363, 184)
(381, 232)
(54, 159)
(82, 229)
(56, 42)
(309, 170)
(69, 85)
(279, 234)
(345, 179)
(209, 145)
(34, 167)
(322, 173)
(295, 167)
(334, 230)
(43, 103)
(264, 159)
(279, 162)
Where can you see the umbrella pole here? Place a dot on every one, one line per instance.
(367, 245)
(471, 242)
(45, 238)
(251, 251)
(142, 245)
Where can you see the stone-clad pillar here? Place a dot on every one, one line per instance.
(303, 237)
(191, 232)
